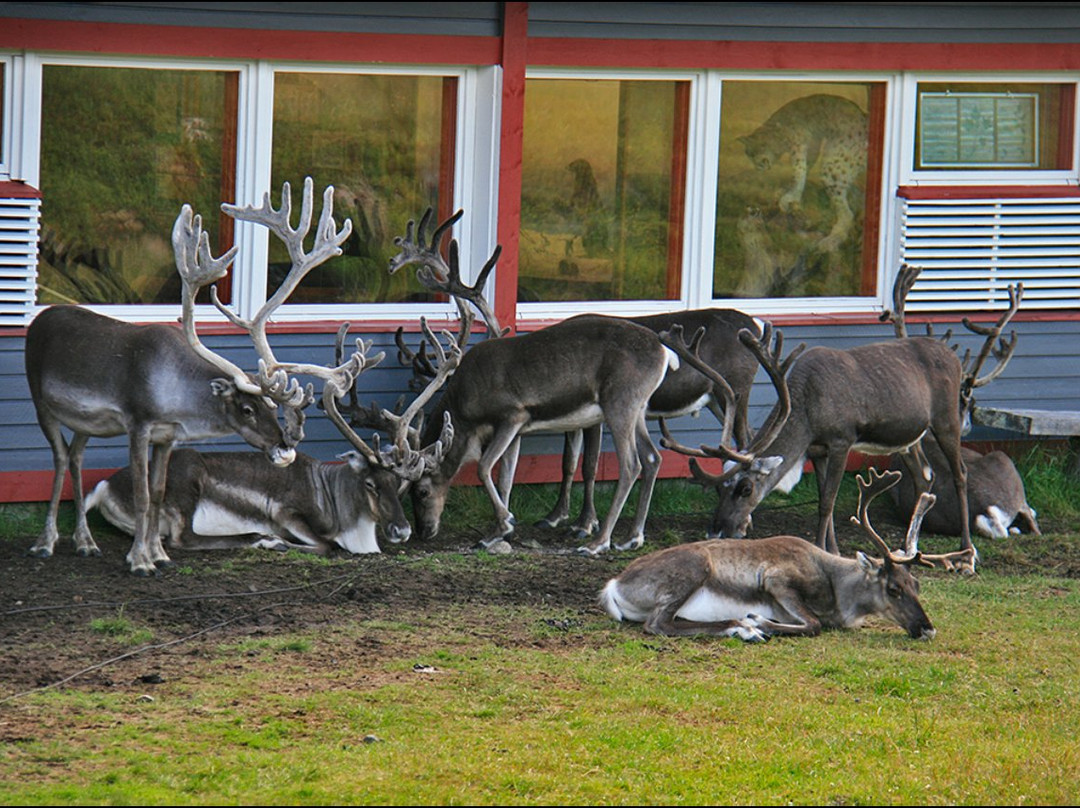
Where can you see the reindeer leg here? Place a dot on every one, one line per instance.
(503, 439)
(950, 446)
(159, 464)
(649, 459)
(622, 431)
(84, 542)
(587, 522)
(138, 558)
(662, 621)
(829, 471)
(571, 452)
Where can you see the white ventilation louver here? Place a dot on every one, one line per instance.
(19, 226)
(970, 250)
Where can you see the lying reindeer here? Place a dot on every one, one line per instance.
(755, 588)
(227, 500)
(997, 503)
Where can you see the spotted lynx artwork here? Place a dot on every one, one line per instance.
(816, 128)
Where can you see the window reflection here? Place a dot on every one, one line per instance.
(121, 150)
(793, 196)
(602, 190)
(386, 145)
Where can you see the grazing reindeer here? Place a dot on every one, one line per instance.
(683, 391)
(757, 588)
(228, 500)
(154, 383)
(575, 374)
(880, 398)
(997, 503)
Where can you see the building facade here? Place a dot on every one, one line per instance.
(784, 159)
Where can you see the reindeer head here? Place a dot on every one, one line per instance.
(896, 589)
(748, 474)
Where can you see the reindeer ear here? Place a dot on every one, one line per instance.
(355, 460)
(223, 387)
(764, 466)
(867, 564)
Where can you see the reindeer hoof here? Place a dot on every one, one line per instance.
(39, 552)
(633, 544)
(496, 547)
(590, 551)
(88, 552)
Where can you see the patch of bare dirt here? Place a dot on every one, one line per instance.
(210, 598)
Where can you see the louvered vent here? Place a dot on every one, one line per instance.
(970, 250)
(19, 226)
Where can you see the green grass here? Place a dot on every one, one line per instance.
(592, 712)
(984, 714)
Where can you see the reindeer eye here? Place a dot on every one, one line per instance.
(744, 488)
(894, 590)
(369, 484)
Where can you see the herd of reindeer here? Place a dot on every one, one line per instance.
(911, 397)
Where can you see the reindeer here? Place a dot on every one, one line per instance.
(880, 398)
(575, 374)
(997, 503)
(229, 500)
(683, 391)
(996, 497)
(154, 383)
(754, 589)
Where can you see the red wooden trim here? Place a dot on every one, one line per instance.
(227, 188)
(511, 135)
(231, 43)
(36, 486)
(680, 144)
(875, 157)
(987, 191)
(324, 46)
(815, 56)
(16, 189)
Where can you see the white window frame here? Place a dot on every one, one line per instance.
(909, 100)
(543, 310)
(799, 305)
(475, 176)
(7, 84)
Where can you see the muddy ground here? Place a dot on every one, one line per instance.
(48, 606)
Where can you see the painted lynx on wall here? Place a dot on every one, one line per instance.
(821, 127)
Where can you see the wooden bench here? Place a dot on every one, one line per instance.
(1037, 423)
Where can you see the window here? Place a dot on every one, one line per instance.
(798, 190)
(121, 150)
(603, 177)
(1001, 127)
(386, 144)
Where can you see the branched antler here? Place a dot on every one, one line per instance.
(775, 365)
(439, 276)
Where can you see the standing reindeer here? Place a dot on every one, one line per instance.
(572, 375)
(757, 588)
(996, 497)
(154, 383)
(683, 391)
(880, 398)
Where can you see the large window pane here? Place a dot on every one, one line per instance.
(386, 145)
(602, 190)
(1016, 127)
(121, 150)
(798, 189)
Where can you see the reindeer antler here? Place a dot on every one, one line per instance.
(436, 274)
(1002, 351)
(883, 481)
(775, 366)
